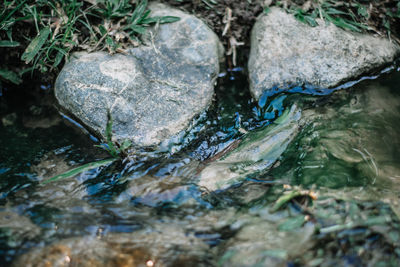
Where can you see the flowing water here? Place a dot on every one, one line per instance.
(306, 178)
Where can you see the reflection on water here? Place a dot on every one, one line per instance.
(160, 208)
(351, 141)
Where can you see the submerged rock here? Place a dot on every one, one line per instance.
(154, 91)
(15, 225)
(9, 119)
(153, 191)
(50, 165)
(164, 245)
(351, 142)
(259, 243)
(286, 52)
(258, 151)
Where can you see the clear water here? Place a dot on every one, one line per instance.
(150, 207)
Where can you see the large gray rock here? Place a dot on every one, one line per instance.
(154, 91)
(286, 52)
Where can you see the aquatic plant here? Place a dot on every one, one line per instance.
(79, 170)
(116, 150)
(381, 17)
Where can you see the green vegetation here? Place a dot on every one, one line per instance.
(116, 151)
(46, 32)
(80, 169)
(377, 16)
(233, 20)
(113, 148)
(208, 3)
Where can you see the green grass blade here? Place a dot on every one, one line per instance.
(284, 199)
(344, 24)
(362, 11)
(111, 147)
(209, 4)
(36, 44)
(169, 19)
(311, 21)
(139, 10)
(79, 170)
(30, 69)
(333, 11)
(145, 15)
(87, 25)
(125, 145)
(359, 25)
(138, 29)
(2, 20)
(60, 55)
(109, 126)
(161, 20)
(5, 43)
(10, 76)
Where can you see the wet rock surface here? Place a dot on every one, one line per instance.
(17, 225)
(260, 242)
(257, 152)
(163, 245)
(364, 137)
(154, 91)
(329, 198)
(50, 165)
(286, 53)
(354, 144)
(154, 191)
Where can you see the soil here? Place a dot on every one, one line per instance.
(244, 14)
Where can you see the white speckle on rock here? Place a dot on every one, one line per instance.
(122, 71)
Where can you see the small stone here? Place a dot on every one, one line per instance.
(9, 119)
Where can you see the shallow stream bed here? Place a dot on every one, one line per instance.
(327, 193)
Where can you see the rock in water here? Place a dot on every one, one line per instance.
(258, 151)
(286, 52)
(260, 243)
(154, 91)
(165, 245)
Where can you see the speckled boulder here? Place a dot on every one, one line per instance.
(286, 52)
(154, 91)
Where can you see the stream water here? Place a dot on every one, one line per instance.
(327, 193)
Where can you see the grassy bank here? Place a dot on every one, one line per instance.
(38, 36)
